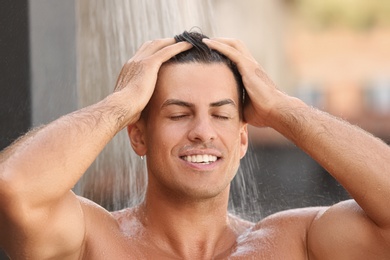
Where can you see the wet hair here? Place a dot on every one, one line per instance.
(201, 53)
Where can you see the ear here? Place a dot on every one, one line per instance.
(136, 134)
(244, 139)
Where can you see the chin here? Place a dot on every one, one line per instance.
(202, 194)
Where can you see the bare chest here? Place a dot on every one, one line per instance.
(260, 244)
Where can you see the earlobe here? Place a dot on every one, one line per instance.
(244, 140)
(136, 135)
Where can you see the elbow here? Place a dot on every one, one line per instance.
(15, 207)
(10, 189)
(5, 185)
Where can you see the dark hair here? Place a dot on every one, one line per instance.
(201, 53)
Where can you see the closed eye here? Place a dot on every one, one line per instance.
(221, 117)
(178, 117)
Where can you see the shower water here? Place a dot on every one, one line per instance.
(109, 33)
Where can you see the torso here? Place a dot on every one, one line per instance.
(122, 236)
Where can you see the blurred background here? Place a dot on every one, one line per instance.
(333, 54)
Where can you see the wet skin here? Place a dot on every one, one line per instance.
(193, 139)
(184, 215)
(195, 109)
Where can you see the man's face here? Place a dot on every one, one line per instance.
(193, 134)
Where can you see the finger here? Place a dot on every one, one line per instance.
(229, 51)
(151, 47)
(135, 65)
(234, 43)
(169, 51)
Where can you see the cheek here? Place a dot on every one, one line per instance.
(231, 140)
(238, 141)
(162, 137)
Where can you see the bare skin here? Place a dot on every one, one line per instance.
(184, 215)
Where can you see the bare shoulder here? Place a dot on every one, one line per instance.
(109, 235)
(344, 231)
(279, 236)
(97, 218)
(93, 211)
(99, 225)
(47, 232)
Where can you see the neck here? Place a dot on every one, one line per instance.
(188, 228)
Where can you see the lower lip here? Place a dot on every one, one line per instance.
(202, 166)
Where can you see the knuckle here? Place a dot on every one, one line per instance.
(144, 45)
(237, 42)
(141, 62)
(148, 43)
(155, 42)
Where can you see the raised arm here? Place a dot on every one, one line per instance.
(358, 160)
(39, 215)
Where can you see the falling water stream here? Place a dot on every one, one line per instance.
(109, 33)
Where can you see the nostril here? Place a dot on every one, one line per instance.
(202, 132)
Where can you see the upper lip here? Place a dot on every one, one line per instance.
(201, 152)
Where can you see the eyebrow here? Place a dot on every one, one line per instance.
(176, 102)
(223, 102)
(182, 103)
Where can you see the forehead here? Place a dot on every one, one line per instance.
(195, 82)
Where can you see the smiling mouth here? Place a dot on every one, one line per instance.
(200, 158)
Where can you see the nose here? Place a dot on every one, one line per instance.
(202, 130)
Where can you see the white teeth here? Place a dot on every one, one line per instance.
(200, 158)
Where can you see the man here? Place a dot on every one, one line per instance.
(186, 117)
